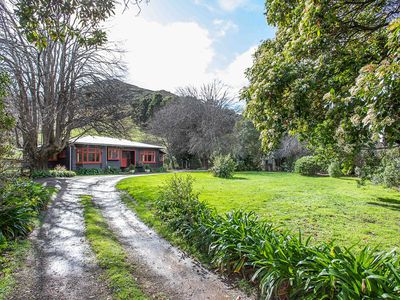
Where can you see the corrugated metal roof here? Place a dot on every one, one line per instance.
(107, 141)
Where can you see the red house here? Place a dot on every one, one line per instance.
(105, 152)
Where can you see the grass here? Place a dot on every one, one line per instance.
(322, 207)
(11, 258)
(110, 254)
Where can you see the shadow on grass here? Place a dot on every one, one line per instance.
(238, 178)
(390, 203)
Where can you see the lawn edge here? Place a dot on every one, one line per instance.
(163, 230)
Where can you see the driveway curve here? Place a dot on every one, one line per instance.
(62, 266)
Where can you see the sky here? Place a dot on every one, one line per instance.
(176, 43)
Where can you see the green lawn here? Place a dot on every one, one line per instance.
(325, 208)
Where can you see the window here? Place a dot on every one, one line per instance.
(113, 153)
(88, 155)
(148, 157)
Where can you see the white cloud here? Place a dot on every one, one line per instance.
(168, 56)
(234, 75)
(205, 4)
(231, 5)
(164, 56)
(224, 26)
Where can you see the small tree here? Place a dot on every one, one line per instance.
(223, 166)
(334, 169)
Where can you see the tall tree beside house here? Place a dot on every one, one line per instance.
(331, 75)
(57, 59)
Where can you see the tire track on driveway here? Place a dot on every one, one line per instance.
(61, 264)
(159, 266)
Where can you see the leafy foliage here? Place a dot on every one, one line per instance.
(223, 166)
(36, 17)
(20, 203)
(334, 169)
(283, 265)
(381, 167)
(307, 165)
(331, 75)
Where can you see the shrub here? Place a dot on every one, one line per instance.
(58, 171)
(66, 173)
(85, 171)
(110, 171)
(97, 171)
(40, 174)
(307, 165)
(223, 166)
(334, 169)
(20, 203)
(383, 168)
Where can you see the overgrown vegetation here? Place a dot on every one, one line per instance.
(281, 264)
(20, 204)
(110, 254)
(223, 166)
(381, 168)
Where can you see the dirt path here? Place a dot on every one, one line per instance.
(61, 264)
(161, 267)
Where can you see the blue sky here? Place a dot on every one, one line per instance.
(174, 43)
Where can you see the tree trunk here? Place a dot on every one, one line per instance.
(40, 164)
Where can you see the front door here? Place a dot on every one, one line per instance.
(125, 160)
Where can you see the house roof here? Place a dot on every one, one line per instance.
(107, 141)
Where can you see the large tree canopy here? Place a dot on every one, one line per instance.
(59, 85)
(331, 74)
(44, 19)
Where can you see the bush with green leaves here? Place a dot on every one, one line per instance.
(223, 166)
(58, 171)
(20, 203)
(335, 170)
(283, 265)
(308, 166)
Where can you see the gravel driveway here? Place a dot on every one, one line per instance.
(61, 265)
